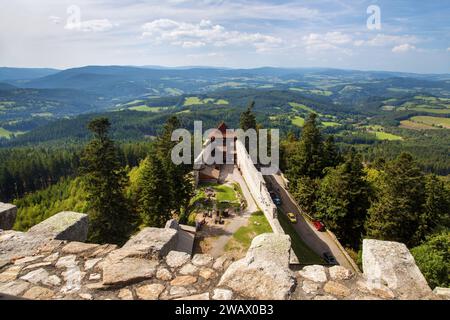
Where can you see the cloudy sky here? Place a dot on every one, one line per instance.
(409, 36)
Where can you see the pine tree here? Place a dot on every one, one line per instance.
(179, 186)
(331, 154)
(396, 213)
(248, 119)
(308, 158)
(436, 208)
(343, 200)
(110, 217)
(305, 193)
(154, 207)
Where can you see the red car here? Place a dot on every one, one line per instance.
(319, 225)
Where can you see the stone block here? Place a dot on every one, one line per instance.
(391, 264)
(66, 225)
(8, 213)
(153, 242)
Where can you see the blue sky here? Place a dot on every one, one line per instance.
(413, 36)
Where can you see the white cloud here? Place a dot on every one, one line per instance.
(327, 41)
(448, 49)
(381, 40)
(98, 25)
(55, 19)
(403, 48)
(189, 35)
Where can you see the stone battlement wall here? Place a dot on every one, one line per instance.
(41, 264)
(257, 186)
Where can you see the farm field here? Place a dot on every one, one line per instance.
(298, 121)
(432, 121)
(145, 108)
(4, 133)
(192, 101)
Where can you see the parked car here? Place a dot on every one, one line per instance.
(319, 225)
(275, 198)
(329, 258)
(292, 218)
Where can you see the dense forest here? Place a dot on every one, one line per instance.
(383, 199)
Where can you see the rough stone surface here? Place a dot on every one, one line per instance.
(176, 259)
(79, 248)
(154, 242)
(14, 288)
(38, 293)
(178, 291)
(442, 292)
(202, 260)
(340, 273)
(150, 291)
(65, 225)
(391, 263)
(222, 294)
(207, 273)
(37, 266)
(125, 294)
(188, 269)
(164, 274)
(336, 289)
(128, 270)
(8, 213)
(203, 296)
(221, 263)
(314, 273)
(10, 274)
(183, 281)
(264, 272)
(310, 287)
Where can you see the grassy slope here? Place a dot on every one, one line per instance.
(304, 253)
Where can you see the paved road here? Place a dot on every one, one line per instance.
(319, 242)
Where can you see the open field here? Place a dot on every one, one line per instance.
(330, 124)
(193, 101)
(387, 136)
(298, 121)
(408, 124)
(299, 106)
(4, 133)
(318, 92)
(432, 121)
(436, 111)
(145, 108)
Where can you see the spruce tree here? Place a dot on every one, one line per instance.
(343, 200)
(308, 158)
(110, 217)
(154, 205)
(248, 119)
(396, 213)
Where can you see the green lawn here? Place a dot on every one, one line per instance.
(225, 193)
(298, 121)
(304, 254)
(242, 238)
